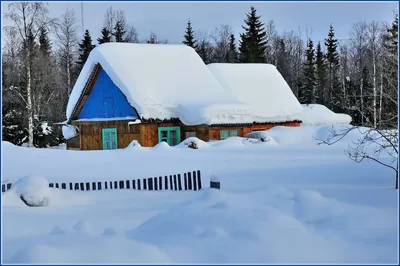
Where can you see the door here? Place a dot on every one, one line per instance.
(110, 139)
(171, 135)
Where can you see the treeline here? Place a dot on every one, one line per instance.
(42, 58)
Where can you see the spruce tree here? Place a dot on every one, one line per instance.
(85, 47)
(189, 36)
(44, 42)
(307, 93)
(204, 50)
(105, 36)
(253, 42)
(282, 60)
(321, 75)
(119, 32)
(332, 57)
(232, 55)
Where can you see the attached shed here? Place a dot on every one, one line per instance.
(262, 87)
(149, 93)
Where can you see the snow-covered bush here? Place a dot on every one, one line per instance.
(193, 143)
(134, 144)
(34, 191)
(260, 135)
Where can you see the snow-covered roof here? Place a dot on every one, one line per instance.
(317, 114)
(262, 87)
(164, 81)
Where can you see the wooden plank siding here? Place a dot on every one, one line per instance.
(90, 133)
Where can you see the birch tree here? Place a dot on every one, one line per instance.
(374, 31)
(66, 41)
(28, 18)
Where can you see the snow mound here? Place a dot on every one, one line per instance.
(317, 114)
(193, 143)
(33, 190)
(6, 144)
(57, 230)
(274, 225)
(262, 87)
(71, 248)
(162, 146)
(237, 142)
(160, 81)
(83, 227)
(134, 144)
(262, 136)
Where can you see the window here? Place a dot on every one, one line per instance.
(110, 139)
(190, 134)
(171, 135)
(224, 134)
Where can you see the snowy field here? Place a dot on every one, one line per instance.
(286, 200)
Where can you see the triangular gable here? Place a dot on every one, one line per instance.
(101, 98)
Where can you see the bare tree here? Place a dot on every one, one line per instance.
(376, 145)
(221, 39)
(66, 32)
(357, 50)
(374, 32)
(153, 39)
(131, 35)
(28, 19)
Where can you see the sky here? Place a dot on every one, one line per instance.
(168, 19)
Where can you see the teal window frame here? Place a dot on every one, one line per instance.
(227, 133)
(106, 131)
(167, 138)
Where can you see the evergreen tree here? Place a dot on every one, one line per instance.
(189, 36)
(307, 93)
(119, 32)
(204, 50)
(44, 42)
(253, 42)
(232, 55)
(105, 36)
(282, 59)
(332, 57)
(85, 47)
(321, 75)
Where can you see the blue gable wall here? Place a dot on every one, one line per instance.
(106, 100)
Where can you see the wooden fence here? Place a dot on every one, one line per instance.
(187, 181)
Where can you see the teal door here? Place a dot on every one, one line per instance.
(110, 139)
(171, 135)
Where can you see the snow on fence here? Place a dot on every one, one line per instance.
(190, 181)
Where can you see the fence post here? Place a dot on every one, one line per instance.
(214, 182)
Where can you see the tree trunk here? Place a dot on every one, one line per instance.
(29, 100)
(68, 78)
(362, 102)
(374, 84)
(380, 100)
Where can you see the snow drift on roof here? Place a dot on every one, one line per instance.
(262, 87)
(161, 81)
(316, 114)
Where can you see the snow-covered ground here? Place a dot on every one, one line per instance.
(286, 200)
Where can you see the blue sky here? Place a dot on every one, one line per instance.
(168, 20)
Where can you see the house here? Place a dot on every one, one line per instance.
(153, 93)
(149, 93)
(262, 87)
